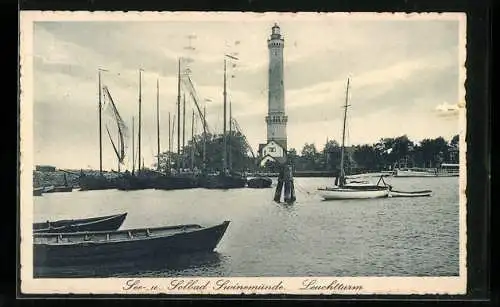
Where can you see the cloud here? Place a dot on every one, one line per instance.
(447, 110)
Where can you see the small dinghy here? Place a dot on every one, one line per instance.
(124, 246)
(424, 193)
(101, 223)
(259, 182)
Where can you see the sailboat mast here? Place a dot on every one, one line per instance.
(342, 172)
(224, 153)
(204, 134)
(184, 121)
(100, 121)
(133, 145)
(192, 142)
(140, 106)
(230, 158)
(169, 140)
(179, 114)
(158, 123)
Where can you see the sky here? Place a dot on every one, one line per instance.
(404, 79)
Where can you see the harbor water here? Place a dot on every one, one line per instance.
(372, 237)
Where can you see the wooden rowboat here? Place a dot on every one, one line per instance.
(124, 246)
(102, 223)
(423, 193)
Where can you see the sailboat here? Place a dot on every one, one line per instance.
(171, 181)
(140, 179)
(226, 179)
(99, 181)
(345, 190)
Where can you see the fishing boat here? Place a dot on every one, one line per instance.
(423, 193)
(259, 182)
(132, 245)
(106, 103)
(345, 190)
(226, 179)
(101, 223)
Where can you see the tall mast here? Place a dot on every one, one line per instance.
(133, 145)
(204, 134)
(342, 173)
(192, 142)
(158, 122)
(140, 106)
(224, 153)
(184, 121)
(100, 121)
(169, 140)
(230, 138)
(179, 114)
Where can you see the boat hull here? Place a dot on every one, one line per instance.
(125, 245)
(259, 183)
(425, 193)
(60, 189)
(352, 193)
(38, 192)
(222, 182)
(90, 183)
(104, 223)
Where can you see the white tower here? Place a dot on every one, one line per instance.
(276, 119)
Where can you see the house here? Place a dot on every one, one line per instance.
(272, 151)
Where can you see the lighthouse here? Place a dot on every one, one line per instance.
(276, 120)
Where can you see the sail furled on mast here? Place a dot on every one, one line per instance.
(116, 124)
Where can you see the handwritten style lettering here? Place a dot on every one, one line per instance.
(226, 284)
(335, 285)
(192, 284)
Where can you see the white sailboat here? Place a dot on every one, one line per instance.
(344, 190)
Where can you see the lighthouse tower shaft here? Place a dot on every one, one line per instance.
(276, 119)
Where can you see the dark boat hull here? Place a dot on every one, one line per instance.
(60, 189)
(259, 183)
(129, 249)
(38, 192)
(222, 182)
(104, 223)
(90, 183)
(176, 183)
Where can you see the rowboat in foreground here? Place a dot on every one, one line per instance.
(123, 246)
(423, 193)
(101, 223)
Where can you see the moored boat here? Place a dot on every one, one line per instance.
(259, 182)
(222, 181)
(132, 245)
(101, 223)
(60, 189)
(333, 193)
(38, 191)
(423, 193)
(358, 189)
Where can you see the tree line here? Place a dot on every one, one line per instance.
(382, 155)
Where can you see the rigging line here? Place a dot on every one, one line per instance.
(113, 143)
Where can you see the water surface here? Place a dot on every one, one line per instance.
(377, 237)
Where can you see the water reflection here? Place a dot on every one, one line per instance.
(188, 264)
